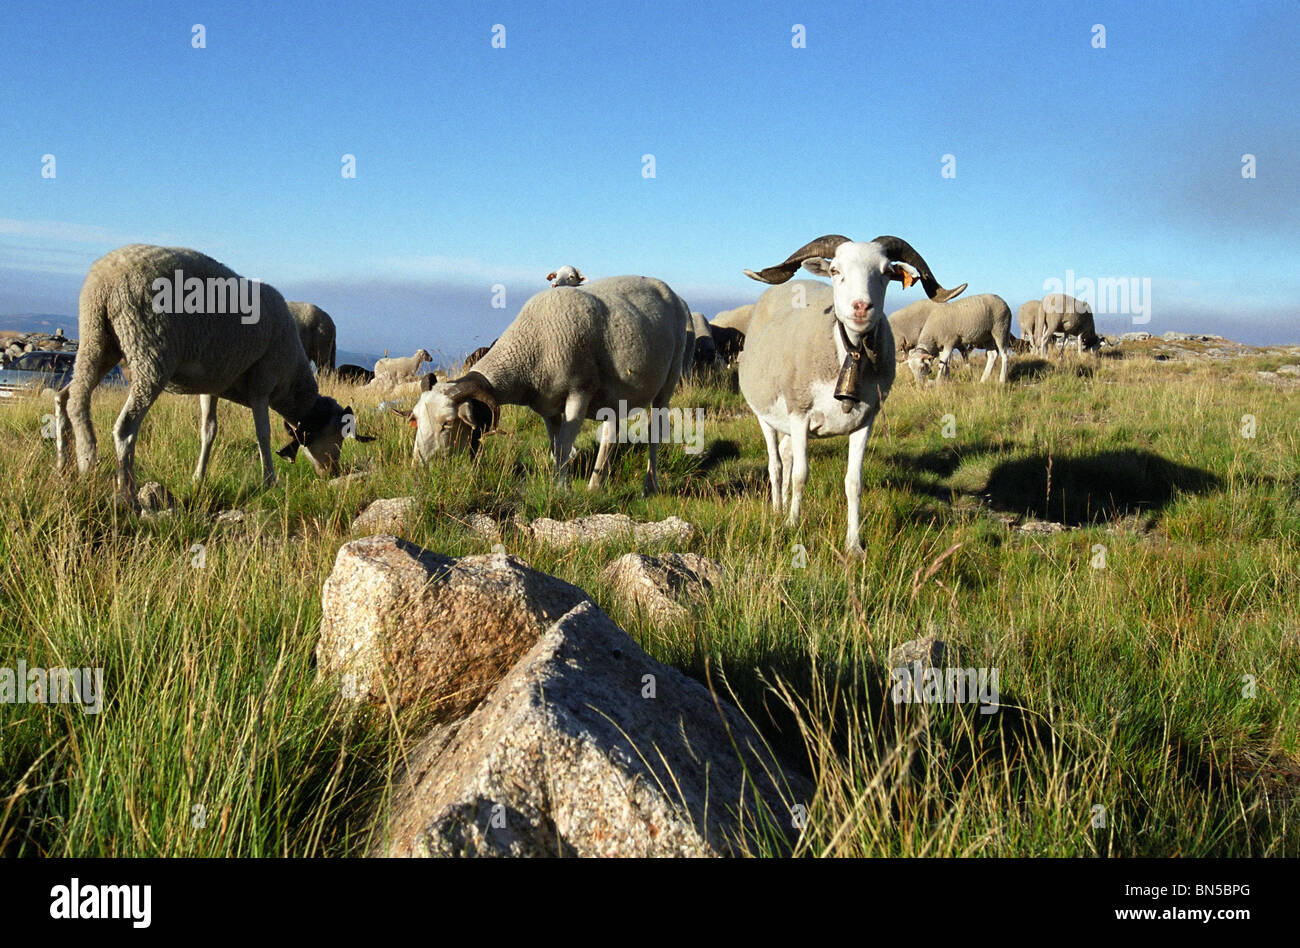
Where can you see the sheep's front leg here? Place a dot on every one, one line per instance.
(575, 411)
(125, 432)
(988, 366)
(787, 465)
(773, 464)
(207, 433)
(853, 485)
(607, 435)
(262, 424)
(799, 465)
(944, 357)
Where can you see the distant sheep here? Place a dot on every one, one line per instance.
(571, 352)
(240, 343)
(978, 322)
(473, 358)
(316, 329)
(354, 374)
(566, 276)
(1071, 317)
(405, 368)
(705, 354)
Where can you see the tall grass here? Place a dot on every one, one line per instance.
(1150, 707)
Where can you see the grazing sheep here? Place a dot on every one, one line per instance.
(316, 330)
(566, 276)
(1030, 318)
(354, 374)
(1065, 314)
(405, 368)
(978, 322)
(907, 323)
(819, 360)
(737, 318)
(705, 353)
(616, 343)
(472, 359)
(236, 341)
(729, 342)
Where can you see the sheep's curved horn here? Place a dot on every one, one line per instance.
(474, 385)
(821, 247)
(896, 248)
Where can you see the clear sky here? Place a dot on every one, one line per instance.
(478, 165)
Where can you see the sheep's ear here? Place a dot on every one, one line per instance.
(363, 438)
(550, 276)
(818, 265)
(399, 413)
(900, 273)
(426, 382)
(475, 413)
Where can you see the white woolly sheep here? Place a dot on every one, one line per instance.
(566, 276)
(404, 368)
(705, 352)
(185, 323)
(819, 360)
(316, 330)
(1071, 317)
(977, 322)
(617, 343)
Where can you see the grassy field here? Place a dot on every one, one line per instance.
(1150, 690)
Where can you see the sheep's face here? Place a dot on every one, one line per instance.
(320, 436)
(566, 276)
(443, 424)
(859, 274)
(918, 360)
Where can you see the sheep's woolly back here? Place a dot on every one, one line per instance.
(211, 352)
(620, 338)
(316, 330)
(908, 322)
(701, 326)
(737, 318)
(1065, 314)
(982, 321)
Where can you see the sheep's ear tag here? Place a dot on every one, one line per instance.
(903, 275)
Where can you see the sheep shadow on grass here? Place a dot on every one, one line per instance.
(1093, 488)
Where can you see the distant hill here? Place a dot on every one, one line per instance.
(39, 322)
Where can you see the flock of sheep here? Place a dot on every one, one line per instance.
(814, 359)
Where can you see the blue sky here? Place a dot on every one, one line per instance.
(478, 166)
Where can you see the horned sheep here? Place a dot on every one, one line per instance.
(572, 353)
(819, 360)
(185, 323)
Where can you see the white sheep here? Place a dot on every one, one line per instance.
(566, 276)
(1071, 317)
(704, 354)
(614, 344)
(185, 323)
(819, 360)
(976, 322)
(316, 330)
(404, 368)
(1030, 318)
